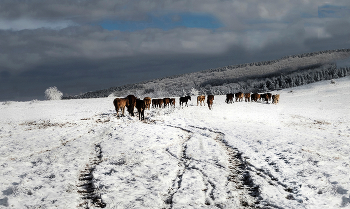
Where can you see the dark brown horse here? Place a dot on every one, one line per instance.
(160, 103)
(229, 98)
(166, 102)
(132, 104)
(265, 97)
(141, 106)
(210, 101)
(157, 103)
(255, 97)
(154, 103)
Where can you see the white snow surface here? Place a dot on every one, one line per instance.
(295, 154)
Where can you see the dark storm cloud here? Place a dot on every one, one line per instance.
(64, 44)
(28, 48)
(53, 9)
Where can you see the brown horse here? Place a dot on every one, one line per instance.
(200, 99)
(239, 96)
(275, 98)
(247, 97)
(120, 103)
(166, 102)
(210, 101)
(147, 102)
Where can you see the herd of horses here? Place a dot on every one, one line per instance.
(248, 97)
(130, 102)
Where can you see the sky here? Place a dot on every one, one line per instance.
(87, 45)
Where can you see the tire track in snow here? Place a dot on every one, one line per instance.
(183, 164)
(243, 175)
(240, 187)
(86, 186)
(245, 193)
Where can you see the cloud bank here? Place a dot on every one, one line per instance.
(87, 45)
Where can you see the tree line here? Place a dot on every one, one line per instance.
(290, 71)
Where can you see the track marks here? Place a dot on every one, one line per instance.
(246, 193)
(188, 169)
(183, 162)
(86, 187)
(237, 189)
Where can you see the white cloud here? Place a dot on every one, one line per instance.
(25, 23)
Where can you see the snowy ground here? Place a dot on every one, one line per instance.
(78, 154)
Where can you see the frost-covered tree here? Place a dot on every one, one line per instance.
(194, 92)
(52, 93)
(183, 94)
(112, 95)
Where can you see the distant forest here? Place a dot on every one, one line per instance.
(290, 71)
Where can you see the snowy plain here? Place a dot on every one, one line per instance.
(79, 154)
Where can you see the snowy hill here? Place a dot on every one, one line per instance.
(77, 153)
(282, 73)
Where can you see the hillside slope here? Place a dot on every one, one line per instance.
(79, 154)
(232, 75)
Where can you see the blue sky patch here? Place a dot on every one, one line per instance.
(332, 11)
(165, 22)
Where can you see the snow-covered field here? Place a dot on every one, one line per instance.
(78, 154)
